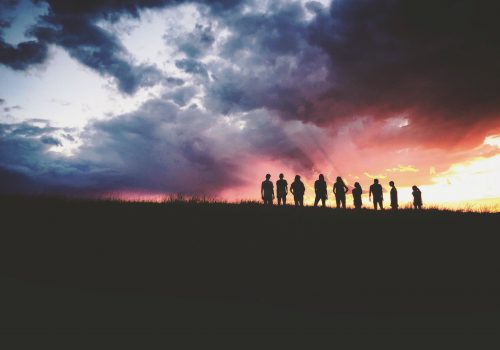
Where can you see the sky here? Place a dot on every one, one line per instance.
(145, 99)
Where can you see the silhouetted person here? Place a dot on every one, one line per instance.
(356, 195)
(417, 197)
(281, 190)
(340, 189)
(320, 189)
(267, 191)
(378, 197)
(394, 196)
(297, 188)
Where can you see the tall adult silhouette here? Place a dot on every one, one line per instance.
(298, 189)
(320, 190)
(356, 195)
(267, 191)
(340, 189)
(378, 197)
(394, 196)
(417, 197)
(281, 190)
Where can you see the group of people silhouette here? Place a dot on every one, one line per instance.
(298, 189)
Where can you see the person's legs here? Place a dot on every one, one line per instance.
(337, 201)
(279, 200)
(374, 204)
(342, 201)
(284, 200)
(301, 201)
(323, 202)
(316, 201)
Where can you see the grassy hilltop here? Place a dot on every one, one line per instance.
(68, 265)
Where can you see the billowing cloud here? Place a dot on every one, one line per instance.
(23, 55)
(74, 26)
(158, 147)
(355, 88)
(434, 61)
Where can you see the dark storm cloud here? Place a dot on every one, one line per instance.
(189, 65)
(25, 160)
(72, 25)
(277, 68)
(95, 48)
(49, 140)
(182, 95)
(159, 147)
(195, 43)
(27, 165)
(23, 55)
(436, 60)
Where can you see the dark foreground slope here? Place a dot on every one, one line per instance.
(69, 266)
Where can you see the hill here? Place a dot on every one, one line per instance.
(69, 265)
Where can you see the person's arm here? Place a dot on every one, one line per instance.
(286, 187)
(291, 189)
(370, 194)
(272, 189)
(262, 190)
(346, 188)
(334, 189)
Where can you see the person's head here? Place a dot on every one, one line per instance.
(339, 179)
(321, 177)
(297, 177)
(414, 188)
(375, 181)
(357, 185)
(268, 176)
(391, 183)
(281, 176)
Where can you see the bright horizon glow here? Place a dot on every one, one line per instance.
(472, 185)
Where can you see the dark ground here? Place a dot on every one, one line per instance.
(70, 266)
